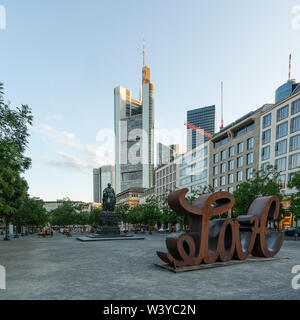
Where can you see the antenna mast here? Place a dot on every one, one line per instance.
(144, 53)
(222, 123)
(290, 66)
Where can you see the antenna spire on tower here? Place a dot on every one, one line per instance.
(290, 65)
(144, 53)
(222, 123)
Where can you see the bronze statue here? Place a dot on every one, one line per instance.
(109, 198)
(221, 239)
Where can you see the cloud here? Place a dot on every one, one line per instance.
(68, 162)
(61, 137)
(81, 158)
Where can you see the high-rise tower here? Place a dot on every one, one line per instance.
(204, 118)
(134, 136)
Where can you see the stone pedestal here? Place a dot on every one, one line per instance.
(108, 224)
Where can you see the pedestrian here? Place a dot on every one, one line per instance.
(51, 231)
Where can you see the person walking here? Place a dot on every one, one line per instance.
(51, 232)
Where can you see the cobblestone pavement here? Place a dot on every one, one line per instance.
(65, 268)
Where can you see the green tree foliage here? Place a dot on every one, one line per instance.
(31, 213)
(122, 210)
(263, 183)
(64, 215)
(93, 219)
(295, 197)
(13, 143)
(150, 212)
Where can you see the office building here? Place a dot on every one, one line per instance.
(280, 137)
(204, 119)
(234, 152)
(166, 154)
(166, 178)
(101, 177)
(134, 136)
(193, 169)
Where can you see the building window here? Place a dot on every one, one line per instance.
(295, 142)
(294, 161)
(223, 155)
(249, 172)
(250, 158)
(240, 147)
(244, 129)
(231, 165)
(295, 107)
(231, 151)
(215, 182)
(216, 170)
(216, 158)
(282, 113)
(223, 167)
(281, 147)
(239, 162)
(281, 130)
(280, 164)
(267, 120)
(264, 166)
(250, 143)
(230, 189)
(281, 180)
(222, 181)
(230, 178)
(239, 176)
(265, 153)
(266, 136)
(220, 142)
(295, 124)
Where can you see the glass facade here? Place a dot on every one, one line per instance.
(284, 91)
(203, 118)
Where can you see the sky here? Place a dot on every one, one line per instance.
(64, 58)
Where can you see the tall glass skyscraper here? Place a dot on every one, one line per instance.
(134, 136)
(203, 118)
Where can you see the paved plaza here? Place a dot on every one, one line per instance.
(65, 268)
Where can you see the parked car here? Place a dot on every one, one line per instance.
(164, 230)
(292, 231)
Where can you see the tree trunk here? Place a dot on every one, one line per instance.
(6, 229)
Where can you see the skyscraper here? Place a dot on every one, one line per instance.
(166, 154)
(101, 177)
(205, 119)
(134, 138)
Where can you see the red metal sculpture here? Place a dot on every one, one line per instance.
(221, 239)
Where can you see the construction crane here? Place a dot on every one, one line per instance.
(197, 129)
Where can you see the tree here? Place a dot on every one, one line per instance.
(295, 197)
(122, 210)
(31, 213)
(64, 215)
(150, 212)
(94, 217)
(13, 143)
(263, 183)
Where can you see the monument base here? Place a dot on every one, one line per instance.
(251, 259)
(121, 237)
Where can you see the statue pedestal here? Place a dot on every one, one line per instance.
(108, 224)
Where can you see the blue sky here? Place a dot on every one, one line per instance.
(65, 57)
